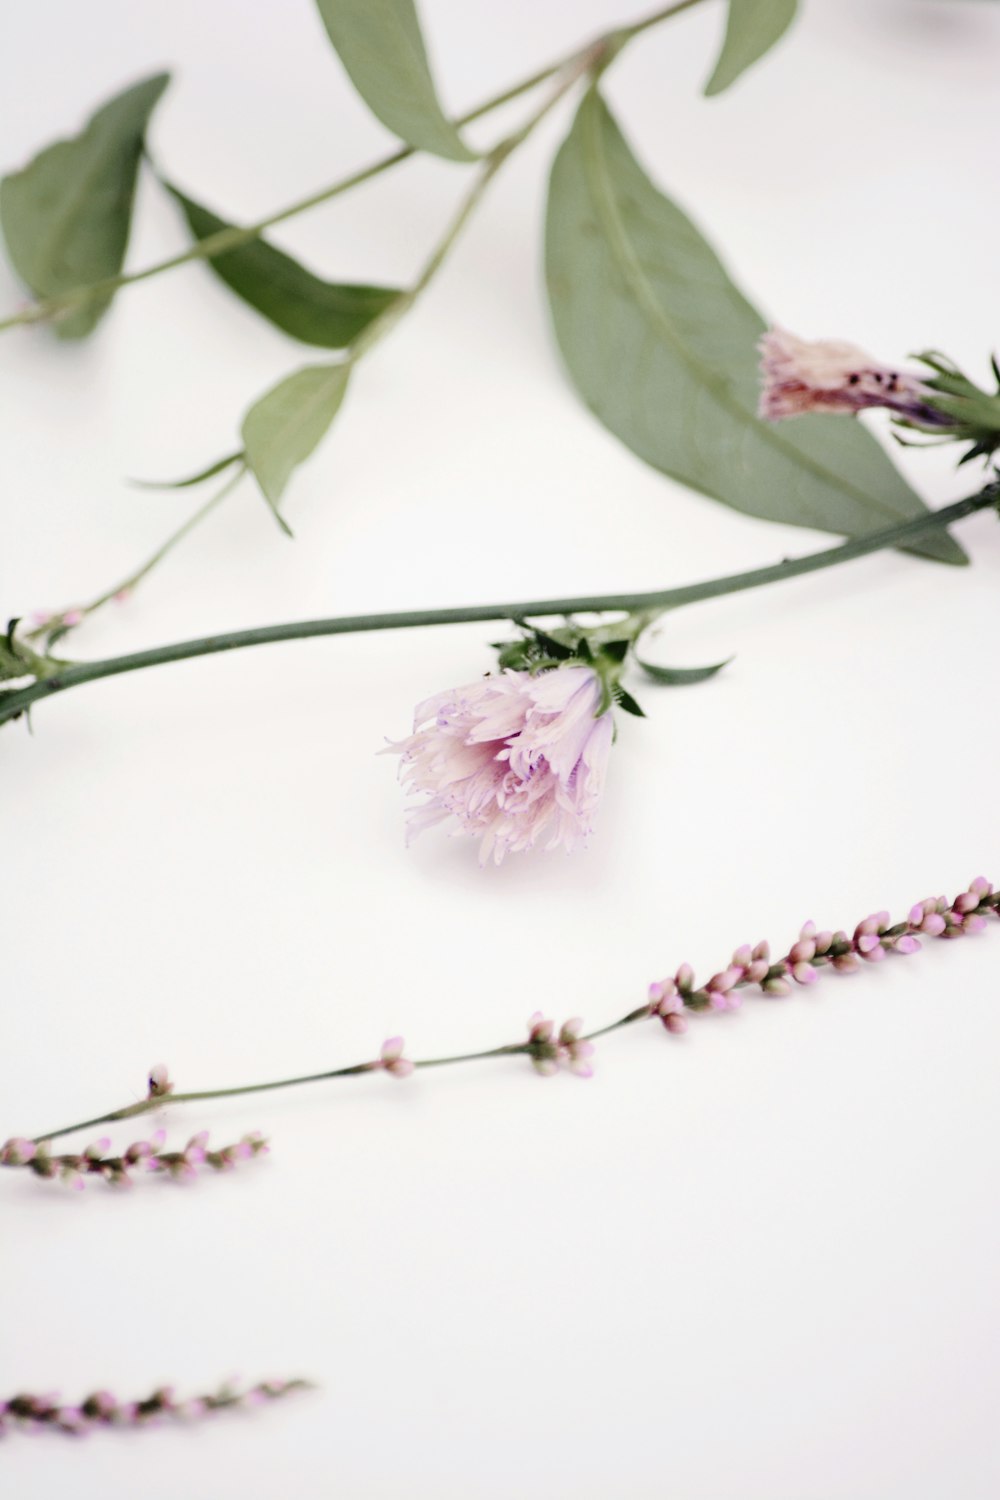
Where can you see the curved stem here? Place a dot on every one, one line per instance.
(62, 676)
(233, 236)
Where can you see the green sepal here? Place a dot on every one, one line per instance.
(627, 702)
(681, 676)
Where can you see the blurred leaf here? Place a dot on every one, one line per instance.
(681, 676)
(66, 216)
(752, 28)
(381, 46)
(192, 479)
(627, 702)
(663, 348)
(329, 314)
(284, 426)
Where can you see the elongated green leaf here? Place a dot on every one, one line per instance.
(381, 46)
(326, 313)
(662, 347)
(217, 467)
(284, 426)
(752, 28)
(66, 216)
(681, 676)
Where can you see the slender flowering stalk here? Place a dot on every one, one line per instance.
(50, 676)
(28, 1413)
(672, 1001)
(97, 1160)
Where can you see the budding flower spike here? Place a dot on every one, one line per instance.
(27, 1413)
(672, 1001)
(72, 1168)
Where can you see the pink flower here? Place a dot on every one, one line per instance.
(802, 375)
(518, 760)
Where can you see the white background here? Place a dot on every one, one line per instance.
(757, 1264)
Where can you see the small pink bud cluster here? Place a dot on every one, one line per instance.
(550, 1051)
(392, 1060)
(72, 1168)
(102, 1409)
(873, 938)
(159, 1083)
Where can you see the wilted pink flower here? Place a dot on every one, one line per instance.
(802, 375)
(517, 759)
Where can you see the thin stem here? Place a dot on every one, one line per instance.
(367, 339)
(126, 585)
(496, 158)
(809, 955)
(657, 602)
(232, 237)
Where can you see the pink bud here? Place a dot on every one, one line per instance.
(685, 977)
(159, 1081)
(907, 944)
(676, 1024)
(981, 886)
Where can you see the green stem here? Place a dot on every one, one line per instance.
(233, 236)
(64, 677)
(376, 330)
(126, 585)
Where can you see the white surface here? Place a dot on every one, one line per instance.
(759, 1264)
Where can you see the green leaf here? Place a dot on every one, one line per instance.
(681, 676)
(752, 29)
(66, 216)
(381, 46)
(192, 479)
(663, 348)
(284, 426)
(328, 314)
